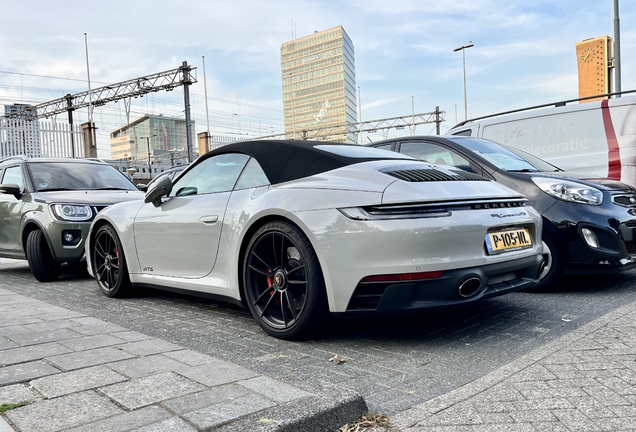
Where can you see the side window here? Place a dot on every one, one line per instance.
(253, 176)
(215, 174)
(384, 146)
(13, 175)
(466, 132)
(433, 153)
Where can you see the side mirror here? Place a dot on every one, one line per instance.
(161, 189)
(11, 189)
(142, 187)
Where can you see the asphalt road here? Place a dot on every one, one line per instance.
(394, 362)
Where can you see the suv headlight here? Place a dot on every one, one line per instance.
(72, 212)
(569, 191)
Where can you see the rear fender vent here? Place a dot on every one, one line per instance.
(434, 175)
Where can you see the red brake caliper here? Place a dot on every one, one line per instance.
(270, 282)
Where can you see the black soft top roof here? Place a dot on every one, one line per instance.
(286, 160)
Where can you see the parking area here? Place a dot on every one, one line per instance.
(394, 362)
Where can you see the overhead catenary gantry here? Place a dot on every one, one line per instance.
(182, 76)
(136, 87)
(370, 126)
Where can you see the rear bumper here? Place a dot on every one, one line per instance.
(493, 280)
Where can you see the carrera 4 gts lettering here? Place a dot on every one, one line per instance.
(504, 215)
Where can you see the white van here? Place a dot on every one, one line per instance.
(597, 137)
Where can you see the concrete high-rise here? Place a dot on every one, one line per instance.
(19, 135)
(319, 83)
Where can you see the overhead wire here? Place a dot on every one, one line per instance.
(225, 122)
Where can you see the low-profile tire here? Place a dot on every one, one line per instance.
(284, 286)
(553, 271)
(41, 262)
(109, 263)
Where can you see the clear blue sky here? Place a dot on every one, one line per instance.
(523, 55)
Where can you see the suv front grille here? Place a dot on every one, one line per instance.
(96, 209)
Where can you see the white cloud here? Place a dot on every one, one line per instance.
(524, 51)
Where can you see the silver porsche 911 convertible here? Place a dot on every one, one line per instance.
(296, 230)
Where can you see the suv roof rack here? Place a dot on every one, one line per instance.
(20, 157)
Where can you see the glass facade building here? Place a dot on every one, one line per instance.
(319, 83)
(163, 133)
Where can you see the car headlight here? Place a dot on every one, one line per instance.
(72, 212)
(569, 191)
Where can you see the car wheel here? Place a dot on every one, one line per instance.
(284, 286)
(109, 263)
(553, 270)
(43, 266)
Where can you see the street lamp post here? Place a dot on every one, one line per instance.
(463, 49)
(148, 147)
(131, 172)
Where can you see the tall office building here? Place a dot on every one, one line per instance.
(319, 82)
(19, 135)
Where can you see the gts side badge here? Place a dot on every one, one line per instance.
(148, 269)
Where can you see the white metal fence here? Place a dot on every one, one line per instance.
(55, 139)
(39, 138)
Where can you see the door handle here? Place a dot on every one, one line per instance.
(208, 219)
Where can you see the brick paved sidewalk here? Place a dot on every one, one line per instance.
(584, 381)
(79, 373)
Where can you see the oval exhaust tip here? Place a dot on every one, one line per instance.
(543, 265)
(469, 287)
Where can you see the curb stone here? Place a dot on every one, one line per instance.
(312, 414)
(158, 396)
(413, 416)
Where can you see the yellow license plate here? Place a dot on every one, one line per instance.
(509, 240)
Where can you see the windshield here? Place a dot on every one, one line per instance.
(503, 157)
(539, 163)
(49, 176)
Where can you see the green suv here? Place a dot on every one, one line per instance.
(47, 205)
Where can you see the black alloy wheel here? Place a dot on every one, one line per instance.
(41, 262)
(109, 263)
(283, 283)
